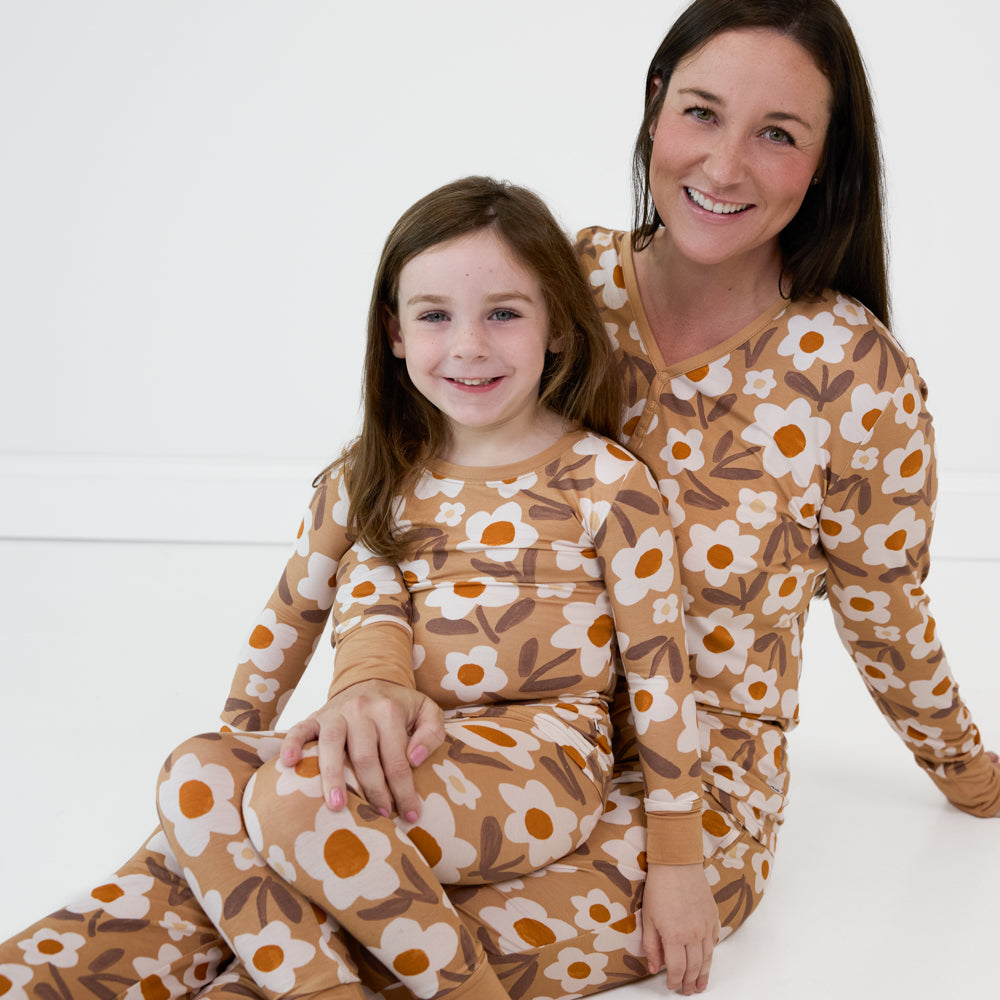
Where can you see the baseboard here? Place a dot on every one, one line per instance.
(216, 500)
(153, 499)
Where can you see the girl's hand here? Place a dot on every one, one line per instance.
(680, 925)
(382, 730)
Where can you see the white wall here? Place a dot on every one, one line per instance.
(193, 195)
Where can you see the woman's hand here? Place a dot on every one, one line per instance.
(996, 760)
(382, 730)
(680, 925)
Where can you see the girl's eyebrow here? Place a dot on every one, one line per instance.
(774, 116)
(432, 299)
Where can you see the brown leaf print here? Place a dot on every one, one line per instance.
(237, 899)
(657, 763)
(515, 614)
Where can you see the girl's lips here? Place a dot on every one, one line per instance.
(475, 384)
(715, 207)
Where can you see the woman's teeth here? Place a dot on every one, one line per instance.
(718, 207)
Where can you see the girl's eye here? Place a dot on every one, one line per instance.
(433, 317)
(776, 134)
(504, 315)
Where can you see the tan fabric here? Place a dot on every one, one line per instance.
(525, 583)
(801, 446)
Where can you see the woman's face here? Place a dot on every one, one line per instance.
(737, 144)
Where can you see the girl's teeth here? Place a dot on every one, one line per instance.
(473, 381)
(718, 207)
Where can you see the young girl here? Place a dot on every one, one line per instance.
(532, 550)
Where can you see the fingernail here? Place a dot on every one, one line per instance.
(336, 799)
(418, 756)
(411, 816)
(384, 813)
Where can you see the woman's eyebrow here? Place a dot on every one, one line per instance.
(775, 116)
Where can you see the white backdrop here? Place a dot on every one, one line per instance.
(193, 195)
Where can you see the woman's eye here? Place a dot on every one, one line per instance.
(701, 114)
(504, 315)
(775, 134)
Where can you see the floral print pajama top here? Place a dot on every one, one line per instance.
(797, 451)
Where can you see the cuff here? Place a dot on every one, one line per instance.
(674, 838)
(379, 651)
(974, 787)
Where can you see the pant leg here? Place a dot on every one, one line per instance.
(501, 797)
(140, 934)
(273, 930)
(576, 928)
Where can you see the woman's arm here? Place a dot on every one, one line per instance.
(875, 528)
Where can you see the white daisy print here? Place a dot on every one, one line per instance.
(195, 798)
(272, 955)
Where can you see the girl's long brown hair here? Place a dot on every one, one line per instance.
(400, 429)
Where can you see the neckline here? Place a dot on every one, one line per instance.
(652, 349)
(492, 473)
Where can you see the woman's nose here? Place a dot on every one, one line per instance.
(724, 163)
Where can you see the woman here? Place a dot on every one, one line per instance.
(789, 435)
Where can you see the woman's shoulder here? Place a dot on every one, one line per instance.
(594, 242)
(835, 332)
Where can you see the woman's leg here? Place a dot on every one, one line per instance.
(507, 793)
(576, 928)
(140, 934)
(283, 942)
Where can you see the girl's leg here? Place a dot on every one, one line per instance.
(284, 943)
(139, 934)
(576, 928)
(507, 793)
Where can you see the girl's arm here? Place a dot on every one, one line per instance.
(375, 718)
(286, 633)
(636, 547)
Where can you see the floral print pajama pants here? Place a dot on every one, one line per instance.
(571, 928)
(511, 790)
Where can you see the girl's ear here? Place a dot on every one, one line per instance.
(395, 337)
(556, 344)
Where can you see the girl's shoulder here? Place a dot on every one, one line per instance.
(601, 461)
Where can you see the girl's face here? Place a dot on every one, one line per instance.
(736, 145)
(473, 328)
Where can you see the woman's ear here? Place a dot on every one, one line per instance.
(395, 337)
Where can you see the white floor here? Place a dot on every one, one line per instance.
(113, 653)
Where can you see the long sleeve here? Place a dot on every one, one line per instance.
(875, 528)
(371, 627)
(636, 549)
(286, 633)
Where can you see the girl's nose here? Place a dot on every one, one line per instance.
(469, 341)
